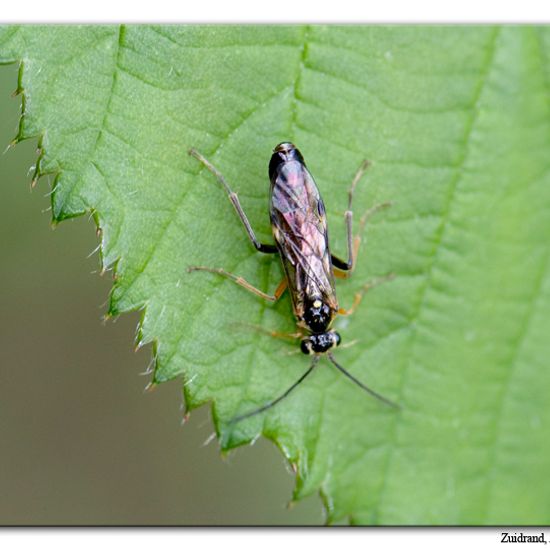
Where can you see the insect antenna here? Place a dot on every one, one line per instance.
(314, 363)
(360, 384)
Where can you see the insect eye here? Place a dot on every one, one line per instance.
(337, 339)
(305, 346)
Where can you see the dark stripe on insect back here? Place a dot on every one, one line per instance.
(274, 163)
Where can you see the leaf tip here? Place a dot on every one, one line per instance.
(185, 418)
(151, 386)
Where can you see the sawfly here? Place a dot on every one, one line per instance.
(299, 226)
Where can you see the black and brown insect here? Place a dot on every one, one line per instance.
(299, 227)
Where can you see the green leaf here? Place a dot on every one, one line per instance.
(455, 122)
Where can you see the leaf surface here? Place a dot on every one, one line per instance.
(455, 122)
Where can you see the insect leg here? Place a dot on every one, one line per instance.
(339, 273)
(242, 282)
(353, 243)
(266, 248)
(348, 217)
(359, 295)
(314, 363)
(273, 333)
(346, 268)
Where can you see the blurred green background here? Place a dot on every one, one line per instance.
(81, 442)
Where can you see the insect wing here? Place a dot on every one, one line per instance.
(299, 227)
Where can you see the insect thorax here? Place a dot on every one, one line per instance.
(317, 318)
(317, 315)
